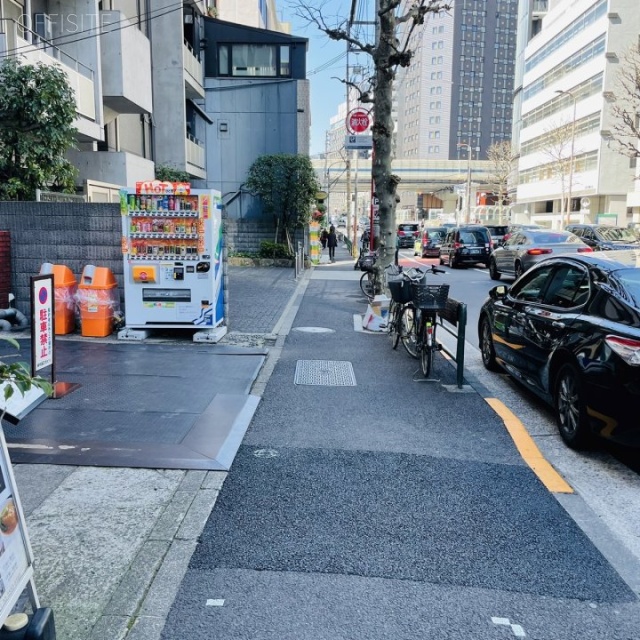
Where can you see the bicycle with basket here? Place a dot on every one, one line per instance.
(413, 313)
(369, 281)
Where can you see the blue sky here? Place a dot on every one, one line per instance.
(326, 93)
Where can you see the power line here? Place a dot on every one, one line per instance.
(326, 65)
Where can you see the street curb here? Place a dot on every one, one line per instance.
(281, 331)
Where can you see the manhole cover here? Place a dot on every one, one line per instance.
(314, 329)
(329, 373)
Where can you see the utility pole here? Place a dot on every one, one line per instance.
(348, 160)
(467, 197)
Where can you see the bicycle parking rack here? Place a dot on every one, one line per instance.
(455, 314)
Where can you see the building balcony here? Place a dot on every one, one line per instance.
(29, 48)
(192, 73)
(195, 157)
(114, 167)
(126, 66)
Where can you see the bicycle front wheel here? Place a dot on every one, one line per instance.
(394, 327)
(409, 330)
(428, 346)
(368, 284)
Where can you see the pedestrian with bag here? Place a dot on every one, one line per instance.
(332, 243)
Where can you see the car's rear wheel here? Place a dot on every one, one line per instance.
(519, 269)
(494, 274)
(486, 346)
(571, 411)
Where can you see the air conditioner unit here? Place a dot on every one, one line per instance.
(42, 26)
(608, 95)
(611, 55)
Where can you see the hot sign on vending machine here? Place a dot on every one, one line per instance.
(172, 246)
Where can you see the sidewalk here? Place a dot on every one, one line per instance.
(111, 544)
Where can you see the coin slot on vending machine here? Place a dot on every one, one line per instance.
(178, 273)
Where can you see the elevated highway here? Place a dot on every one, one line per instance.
(418, 176)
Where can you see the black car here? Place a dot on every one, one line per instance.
(427, 244)
(602, 237)
(407, 233)
(497, 231)
(569, 330)
(468, 244)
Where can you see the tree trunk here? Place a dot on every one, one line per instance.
(385, 182)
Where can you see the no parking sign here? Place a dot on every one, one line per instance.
(42, 301)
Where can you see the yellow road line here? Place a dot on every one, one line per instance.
(530, 453)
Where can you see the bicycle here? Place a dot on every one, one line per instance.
(369, 281)
(401, 310)
(427, 300)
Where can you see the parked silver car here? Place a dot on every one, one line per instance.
(528, 246)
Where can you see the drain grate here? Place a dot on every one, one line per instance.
(329, 373)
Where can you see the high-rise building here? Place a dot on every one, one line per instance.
(567, 85)
(457, 92)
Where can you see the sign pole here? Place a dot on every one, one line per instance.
(357, 122)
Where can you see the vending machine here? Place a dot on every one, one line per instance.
(173, 270)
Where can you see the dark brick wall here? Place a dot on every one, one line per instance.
(5, 268)
(73, 234)
(246, 235)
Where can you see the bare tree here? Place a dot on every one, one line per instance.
(560, 154)
(387, 53)
(626, 108)
(502, 165)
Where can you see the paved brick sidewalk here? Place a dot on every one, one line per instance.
(257, 296)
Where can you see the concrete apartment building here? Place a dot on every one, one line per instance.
(570, 52)
(137, 70)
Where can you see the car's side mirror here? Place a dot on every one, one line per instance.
(498, 292)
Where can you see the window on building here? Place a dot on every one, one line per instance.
(258, 60)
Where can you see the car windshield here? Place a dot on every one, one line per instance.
(616, 234)
(554, 237)
(630, 280)
(473, 236)
(407, 227)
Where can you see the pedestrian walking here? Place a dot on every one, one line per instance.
(365, 240)
(332, 243)
(324, 236)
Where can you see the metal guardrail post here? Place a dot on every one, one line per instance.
(462, 323)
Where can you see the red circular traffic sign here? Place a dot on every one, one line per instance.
(358, 121)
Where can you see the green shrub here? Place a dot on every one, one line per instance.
(274, 250)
